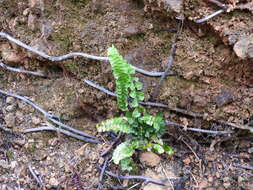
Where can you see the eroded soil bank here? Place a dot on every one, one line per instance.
(209, 79)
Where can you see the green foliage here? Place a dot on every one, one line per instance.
(144, 130)
(126, 85)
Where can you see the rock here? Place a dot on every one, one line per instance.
(11, 108)
(36, 120)
(10, 119)
(244, 47)
(9, 55)
(224, 97)
(53, 182)
(131, 30)
(150, 159)
(10, 100)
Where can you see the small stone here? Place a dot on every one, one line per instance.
(10, 120)
(36, 120)
(150, 159)
(11, 108)
(240, 179)
(53, 182)
(10, 100)
(224, 97)
(227, 185)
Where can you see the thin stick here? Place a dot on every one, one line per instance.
(22, 70)
(178, 110)
(65, 132)
(111, 147)
(144, 178)
(47, 115)
(218, 3)
(170, 123)
(71, 128)
(169, 63)
(210, 16)
(100, 185)
(244, 167)
(70, 55)
(35, 176)
(155, 104)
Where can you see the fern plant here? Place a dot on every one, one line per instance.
(143, 130)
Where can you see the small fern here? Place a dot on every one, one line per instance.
(144, 130)
(126, 85)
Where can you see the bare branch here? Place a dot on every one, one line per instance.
(51, 117)
(144, 178)
(210, 16)
(35, 176)
(65, 132)
(70, 55)
(169, 62)
(22, 70)
(170, 123)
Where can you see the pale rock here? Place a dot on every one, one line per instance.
(11, 108)
(36, 120)
(244, 47)
(10, 100)
(53, 182)
(150, 159)
(10, 119)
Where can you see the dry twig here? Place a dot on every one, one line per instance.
(69, 55)
(35, 176)
(102, 172)
(59, 130)
(22, 70)
(82, 135)
(170, 61)
(144, 178)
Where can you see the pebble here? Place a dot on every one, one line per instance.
(10, 100)
(36, 120)
(10, 120)
(11, 108)
(150, 159)
(53, 182)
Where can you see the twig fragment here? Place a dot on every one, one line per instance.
(59, 130)
(155, 104)
(51, 117)
(103, 154)
(102, 172)
(170, 123)
(35, 176)
(215, 13)
(244, 167)
(22, 70)
(70, 55)
(169, 62)
(144, 178)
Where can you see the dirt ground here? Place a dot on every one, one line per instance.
(213, 76)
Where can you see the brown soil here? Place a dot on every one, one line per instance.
(210, 79)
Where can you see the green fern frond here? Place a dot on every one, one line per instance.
(122, 72)
(116, 124)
